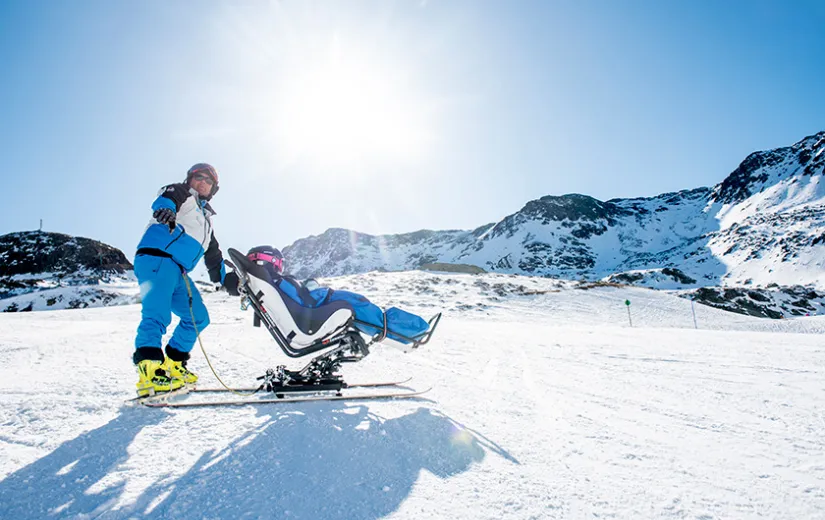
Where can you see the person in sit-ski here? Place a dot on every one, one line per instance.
(370, 318)
(179, 234)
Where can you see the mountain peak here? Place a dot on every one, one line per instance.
(764, 223)
(572, 206)
(805, 157)
(32, 252)
(40, 270)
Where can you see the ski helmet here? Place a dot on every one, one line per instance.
(269, 257)
(205, 169)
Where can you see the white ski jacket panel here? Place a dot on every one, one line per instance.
(193, 235)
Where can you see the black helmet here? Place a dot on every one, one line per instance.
(269, 257)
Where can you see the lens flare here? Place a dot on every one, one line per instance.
(460, 437)
(383, 251)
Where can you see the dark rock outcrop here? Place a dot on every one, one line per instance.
(42, 263)
(35, 252)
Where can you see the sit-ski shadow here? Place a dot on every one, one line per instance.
(55, 486)
(319, 461)
(310, 460)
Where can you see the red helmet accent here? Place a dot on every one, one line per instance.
(267, 256)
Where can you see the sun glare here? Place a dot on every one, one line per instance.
(345, 109)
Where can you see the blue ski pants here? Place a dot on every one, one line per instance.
(163, 292)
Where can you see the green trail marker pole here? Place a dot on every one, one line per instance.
(629, 319)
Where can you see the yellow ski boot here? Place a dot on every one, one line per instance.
(153, 379)
(177, 370)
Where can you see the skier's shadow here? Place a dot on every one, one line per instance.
(318, 461)
(56, 485)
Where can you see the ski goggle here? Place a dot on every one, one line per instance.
(203, 168)
(278, 262)
(205, 178)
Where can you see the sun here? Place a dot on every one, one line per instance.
(347, 107)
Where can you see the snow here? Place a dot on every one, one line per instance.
(545, 404)
(79, 289)
(54, 295)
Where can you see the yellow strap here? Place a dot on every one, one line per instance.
(192, 314)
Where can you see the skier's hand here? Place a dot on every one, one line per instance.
(165, 216)
(231, 283)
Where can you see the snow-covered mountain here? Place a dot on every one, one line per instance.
(762, 227)
(40, 270)
(763, 224)
(545, 404)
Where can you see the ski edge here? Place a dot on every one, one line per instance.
(161, 396)
(252, 389)
(255, 402)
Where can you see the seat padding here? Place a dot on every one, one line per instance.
(302, 326)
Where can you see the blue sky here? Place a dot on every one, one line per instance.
(387, 117)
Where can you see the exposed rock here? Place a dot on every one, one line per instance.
(57, 271)
(36, 252)
(452, 268)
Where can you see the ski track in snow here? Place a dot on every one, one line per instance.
(543, 406)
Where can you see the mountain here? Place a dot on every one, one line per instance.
(40, 270)
(762, 224)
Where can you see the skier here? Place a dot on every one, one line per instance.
(370, 318)
(179, 234)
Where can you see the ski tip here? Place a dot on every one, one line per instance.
(158, 398)
(422, 392)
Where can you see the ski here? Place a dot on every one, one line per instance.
(242, 402)
(375, 385)
(307, 389)
(160, 396)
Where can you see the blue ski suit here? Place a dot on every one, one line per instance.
(163, 260)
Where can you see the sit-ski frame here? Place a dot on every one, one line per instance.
(321, 373)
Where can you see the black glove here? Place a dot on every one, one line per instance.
(165, 216)
(231, 283)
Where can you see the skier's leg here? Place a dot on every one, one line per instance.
(185, 335)
(157, 277)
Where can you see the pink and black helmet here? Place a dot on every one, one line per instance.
(269, 257)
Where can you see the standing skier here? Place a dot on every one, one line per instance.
(179, 234)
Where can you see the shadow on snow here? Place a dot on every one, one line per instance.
(311, 460)
(55, 486)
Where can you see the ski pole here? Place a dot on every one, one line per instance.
(693, 309)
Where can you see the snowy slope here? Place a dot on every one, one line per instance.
(48, 291)
(545, 404)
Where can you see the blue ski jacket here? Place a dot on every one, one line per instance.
(193, 236)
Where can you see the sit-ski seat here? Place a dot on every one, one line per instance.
(300, 326)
